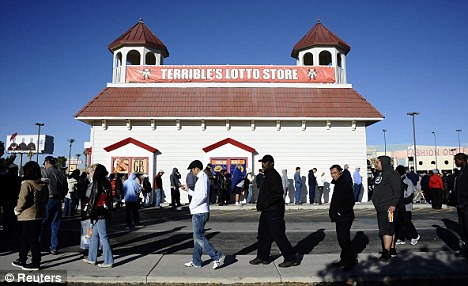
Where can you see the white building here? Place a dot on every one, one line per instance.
(155, 117)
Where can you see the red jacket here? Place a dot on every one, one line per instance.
(435, 182)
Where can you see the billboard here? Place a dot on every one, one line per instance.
(28, 143)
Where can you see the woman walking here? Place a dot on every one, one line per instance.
(99, 210)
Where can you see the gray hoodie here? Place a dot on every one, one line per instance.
(387, 188)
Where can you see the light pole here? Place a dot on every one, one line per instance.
(38, 138)
(71, 140)
(412, 114)
(385, 141)
(459, 146)
(435, 148)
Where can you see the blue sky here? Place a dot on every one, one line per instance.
(405, 56)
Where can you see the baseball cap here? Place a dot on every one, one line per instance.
(50, 159)
(161, 171)
(195, 164)
(267, 158)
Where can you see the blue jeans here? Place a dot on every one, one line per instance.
(298, 195)
(100, 233)
(158, 198)
(53, 217)
(200, 242)
(357, 191)
(69, 207)
(249, 195)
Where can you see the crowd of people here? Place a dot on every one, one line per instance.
(33, 204)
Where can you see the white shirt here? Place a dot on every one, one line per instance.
(200, 195)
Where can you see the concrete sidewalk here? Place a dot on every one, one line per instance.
(315, 268)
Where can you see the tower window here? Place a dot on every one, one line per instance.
(133, 58)
(308, 59)
(325, 58)
(150, 59)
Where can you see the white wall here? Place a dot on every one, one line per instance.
(290, 146)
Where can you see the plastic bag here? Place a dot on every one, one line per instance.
(86, 232)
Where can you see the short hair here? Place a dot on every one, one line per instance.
(314, 169)
(338, 167)
(401, 170)
(298, 168)
(461, 156)
(32, 171)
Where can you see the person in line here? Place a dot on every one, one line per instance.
(413, 177)
(271, 226)
(131, 190)
(190, 180)
(259, 179)
(31, 210)
(200, 211)
(147, 191)
(437, 189)
(347, 175)
(158, 188)
(248, 185)
(212, 178)
(70, 198)
(404, 225)
(9, 192)
(237, 186)
(58, 189)
(174, 178)
(387, 193)
(224, 185)
(461, 191)
(284, 183)
(312, 184)
(320, 188)
(99, 211)
(342, 214)
(297, 186)
(357, 185)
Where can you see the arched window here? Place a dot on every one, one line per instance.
(118, 60)
(325, 58)
(133, 58)
(150, 59)
(308, 59)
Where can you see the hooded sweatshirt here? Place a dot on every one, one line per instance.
(387, 189)
(32, 200)
(131, 189)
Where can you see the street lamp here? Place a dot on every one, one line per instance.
(71, 140)
(385, 140)
(412, 114)
(38, 138)
(435, 148)
(459, 146)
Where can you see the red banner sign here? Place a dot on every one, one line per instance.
(289, 74)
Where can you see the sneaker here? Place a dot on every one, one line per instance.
(191, 264)
(30, 267)
(53, 251)
(385, 256)
(218, 263)
(401, 242)
(102, 265)
(285, 264)
(18, 263)
(85, 260)
(258, 261)
(393, 253)
(414, 241)
(139, 225)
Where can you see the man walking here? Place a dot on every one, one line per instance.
(298, 185)
(200, 211)
(271, 226)
(341, 212)
(461, 189)
(58, 188)
(387, 192)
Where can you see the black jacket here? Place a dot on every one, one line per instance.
(387, 187)
(342, 201)
(461, 187)
(270, 196)
(95, 212)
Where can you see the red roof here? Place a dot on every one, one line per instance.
(139, 35)
(228, 141)
(245, 102)
(319, 35)
(128, 141)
